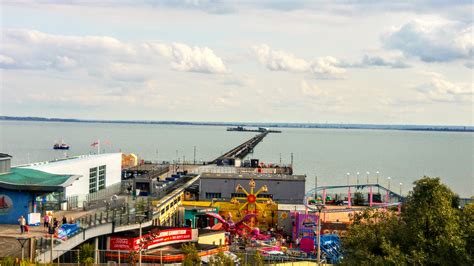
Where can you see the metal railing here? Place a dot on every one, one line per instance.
(124, 215)
(133, 213)
(105, 193)
(125, 257)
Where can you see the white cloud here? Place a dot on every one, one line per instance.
(308, 89)
(33, 49)
(327, 66)
(193, 59)
(275, 60)
(432, 39)
(279, 60)
(6, 61)
(438, 89)
(379, 59)
(459, 8)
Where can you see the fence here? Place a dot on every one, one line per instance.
(105, 193)
(168, 257)
(141, 211)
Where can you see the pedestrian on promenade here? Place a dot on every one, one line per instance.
(46, 222)
(22, 222)
(55, 223)
(64, 220)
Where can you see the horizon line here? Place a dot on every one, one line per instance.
(455, 128)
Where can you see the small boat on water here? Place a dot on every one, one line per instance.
(61, 146)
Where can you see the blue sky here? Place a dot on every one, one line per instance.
(387, 62)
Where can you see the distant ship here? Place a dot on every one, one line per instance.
(61, 146)
(260, 129)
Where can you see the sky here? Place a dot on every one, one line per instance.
(373, 62)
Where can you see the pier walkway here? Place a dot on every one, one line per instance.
(243, 149)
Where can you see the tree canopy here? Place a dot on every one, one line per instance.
(191, 255)
(431, 230)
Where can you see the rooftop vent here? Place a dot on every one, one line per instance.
(5, 163)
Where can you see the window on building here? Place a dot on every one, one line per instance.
(102, 177)
(213, 195)
(93, 180)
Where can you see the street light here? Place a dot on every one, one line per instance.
(348, 175)
(388, 191)
(378, 175)
(368, 173)
(22, 241)
(358, 178)
(401, 184)
(319, 207)
(141, 219)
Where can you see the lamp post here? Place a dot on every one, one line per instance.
(387, 197)
(22, 241)
(315, 188)
(378, 176)
(368, 173)
(348, 191)
(141, 219)
(358, 178)
(320, 207)
(51, 233)
(401, 184)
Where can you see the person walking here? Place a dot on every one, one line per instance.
(22, 222)
(46, 222)
(55, 223)
(64, 220)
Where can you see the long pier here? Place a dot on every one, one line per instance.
(243, 149)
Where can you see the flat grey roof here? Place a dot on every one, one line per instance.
(253, 176)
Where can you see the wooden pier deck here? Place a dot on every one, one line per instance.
(243, 149)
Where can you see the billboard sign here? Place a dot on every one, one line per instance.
(154, 239)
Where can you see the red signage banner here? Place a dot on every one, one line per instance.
(120, 243)
(159, 238)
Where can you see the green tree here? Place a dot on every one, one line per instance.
(433, 224)
(86, 254)
(220, 259)
(430, 231)
(7, 261)
(467, 224)
(258, 259)
(372, 239)
(191, 255)
(242, 259)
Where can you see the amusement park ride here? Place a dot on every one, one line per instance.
(312, 199)
(254, 208)
(255, 211)
(252, 203)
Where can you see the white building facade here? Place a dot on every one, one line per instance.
(99, 175)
